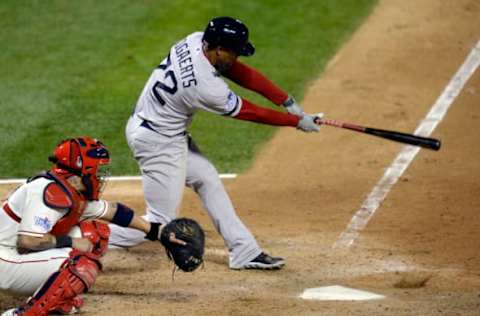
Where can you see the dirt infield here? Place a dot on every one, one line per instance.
(421, 249)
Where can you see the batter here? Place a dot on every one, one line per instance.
(187, 80)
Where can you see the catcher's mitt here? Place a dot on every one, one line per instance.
(187, 257)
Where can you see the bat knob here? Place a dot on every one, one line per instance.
(318, 118)
(437, 144)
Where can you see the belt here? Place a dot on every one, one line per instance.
(147, 125)
(10, 213)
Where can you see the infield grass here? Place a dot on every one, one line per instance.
(70, 68)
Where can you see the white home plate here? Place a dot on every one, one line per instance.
(338, 293)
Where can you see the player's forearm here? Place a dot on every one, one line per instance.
(122, 215)
(140, 224)
(27, 244)
(254, 113)
(252, 79)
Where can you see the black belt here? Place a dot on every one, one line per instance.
(147, 125)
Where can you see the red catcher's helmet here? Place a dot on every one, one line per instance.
(82, 156)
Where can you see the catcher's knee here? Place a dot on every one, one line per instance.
(98, 233)
(76, 276)
(85, 266)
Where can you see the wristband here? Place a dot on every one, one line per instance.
(63, 241)
(153, 233)
(289, 101)
(123, 216)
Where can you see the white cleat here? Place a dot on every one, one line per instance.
(10, 312)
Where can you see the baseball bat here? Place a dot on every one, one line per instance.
(425, 142)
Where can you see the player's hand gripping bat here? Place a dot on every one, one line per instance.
(425, 142)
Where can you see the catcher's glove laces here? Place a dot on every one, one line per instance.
(173, 273)
(175, 268)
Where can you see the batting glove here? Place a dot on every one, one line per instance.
(293, 107)
(310, 123)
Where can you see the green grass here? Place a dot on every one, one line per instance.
(71, 68)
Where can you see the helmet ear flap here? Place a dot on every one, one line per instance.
(75, 154)
(67, 156)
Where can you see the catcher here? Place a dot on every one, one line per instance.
(51, 239)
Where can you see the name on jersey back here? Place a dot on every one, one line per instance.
(184, 59)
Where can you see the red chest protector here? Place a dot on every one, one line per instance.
(60, 194)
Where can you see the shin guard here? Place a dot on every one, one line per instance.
(60, 292)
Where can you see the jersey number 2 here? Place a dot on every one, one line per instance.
(160, 85)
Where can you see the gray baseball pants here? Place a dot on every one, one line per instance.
(168, 164)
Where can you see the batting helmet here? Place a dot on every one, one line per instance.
(230, 33)
(82, 156)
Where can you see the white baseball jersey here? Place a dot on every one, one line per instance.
(37, 218)
(184, 82)
(25, 273)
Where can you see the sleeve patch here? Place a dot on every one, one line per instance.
(232, 102)
(55, 197)
(43, 223)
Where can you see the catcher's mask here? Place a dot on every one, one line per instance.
(85, 157)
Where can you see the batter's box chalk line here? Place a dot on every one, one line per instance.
(407, 154)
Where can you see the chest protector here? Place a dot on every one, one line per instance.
(61, 195)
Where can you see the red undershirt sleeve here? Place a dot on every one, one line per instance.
(253, 80)
(253, 113)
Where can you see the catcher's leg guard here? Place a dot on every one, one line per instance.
(60, 292)
(70, 307)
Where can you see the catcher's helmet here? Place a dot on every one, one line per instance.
(230, 33)
(82, 156)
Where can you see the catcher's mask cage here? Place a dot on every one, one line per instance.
(85, 157)
(229, 33)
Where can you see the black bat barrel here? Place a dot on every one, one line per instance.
(425, 142)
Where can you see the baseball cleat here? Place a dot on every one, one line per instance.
(265, 262)
(10, 312)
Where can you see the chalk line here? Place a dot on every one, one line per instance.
(408, 153)
(119, 178)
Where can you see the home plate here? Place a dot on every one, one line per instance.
(338, 293)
